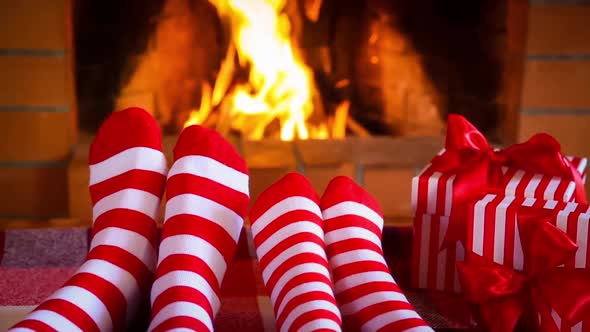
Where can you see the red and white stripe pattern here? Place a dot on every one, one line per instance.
(433, 268)
(208, 198)
(289, 241)
(368, 296)
(127, 175)
(535, 185)
(432, 191)
(494, 234)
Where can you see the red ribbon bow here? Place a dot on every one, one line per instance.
(478, 168)
(504, 294)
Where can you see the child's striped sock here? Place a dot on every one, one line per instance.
(289, 241)
(367, 294)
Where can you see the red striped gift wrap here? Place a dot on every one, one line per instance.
(494, 235)
(434, 268)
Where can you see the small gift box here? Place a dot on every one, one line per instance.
(464, 171)
(528, 259)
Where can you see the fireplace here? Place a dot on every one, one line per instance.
(380, 77)
(325, 68)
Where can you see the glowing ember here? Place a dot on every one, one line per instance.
(280, 85)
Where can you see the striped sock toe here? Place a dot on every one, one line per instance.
(289, 241)
(208, 198)
(127, 176)
(367, 294)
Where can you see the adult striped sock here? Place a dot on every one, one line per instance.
(289, 241)
(208, 198)
(127, 176)
(367, 294)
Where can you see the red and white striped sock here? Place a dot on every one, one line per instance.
(367, 294)
(208, 198)
(127, 176)
(289, 241)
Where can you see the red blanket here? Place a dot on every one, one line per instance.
(35, 262)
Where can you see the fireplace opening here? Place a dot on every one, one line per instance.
(296, 69)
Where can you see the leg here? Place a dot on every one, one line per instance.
(127, 175)
(368, 296)
(207, 193)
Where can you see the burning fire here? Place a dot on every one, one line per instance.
(280, 86)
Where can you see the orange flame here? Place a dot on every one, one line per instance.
(279, 86)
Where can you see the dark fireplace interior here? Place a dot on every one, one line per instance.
(402, 65)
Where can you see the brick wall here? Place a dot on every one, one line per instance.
(36, 107)
(556, 87)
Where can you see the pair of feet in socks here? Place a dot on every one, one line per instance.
(207, 192)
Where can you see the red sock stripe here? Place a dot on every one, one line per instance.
(299, 280)
(181, 322)
(71, 312)
(312, 315)
(286, 219)
(203, 228)
(290, 263)
(149, 181)
(301, 300)
(35, 325)
(356, 292)
(357, 267)
(109, 294)
(124, 260)
(345, 246)
(130, 220)
(190, 183)
(188, 263)
(181, 293)
(351, 221)
(287, 243)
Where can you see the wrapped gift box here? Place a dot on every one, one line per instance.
(496, 235)
(464, 171)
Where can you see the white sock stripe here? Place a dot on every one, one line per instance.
(307, 307)
(289, 204)
(320, 324)
(361, 279)
(186, 279)
(213, 170)
(132, 242)
(181, 308)
(203, 207)
(295, 271)
(21, 329)
(347, 233)
(355, 209)
(140, 158)
(387, 318)
(308, 287)
(286, 232)
(87, 302)
(131, 199)
(53, 320)
(181, 329)
(118, 277)
(370, 299)
(355, 256)
(299, 248)
(194, 246)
